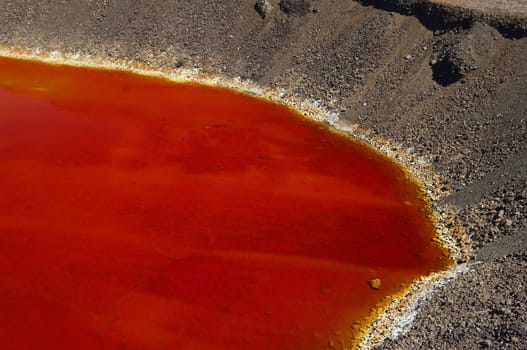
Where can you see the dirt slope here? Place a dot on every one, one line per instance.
(450, 83)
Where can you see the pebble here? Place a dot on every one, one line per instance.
(485, 344)
(264, 8)
(375, 283)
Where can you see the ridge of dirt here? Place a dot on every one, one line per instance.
(448, 83)
(507, 16)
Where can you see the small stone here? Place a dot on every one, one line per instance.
(375, 283)
(408, 57)
(508, 222)
(515, 339)
(264, 8)
(505, 311)
(485, 344)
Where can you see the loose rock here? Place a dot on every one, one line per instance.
(375, 283)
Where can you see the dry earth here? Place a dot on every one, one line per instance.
(446, 79)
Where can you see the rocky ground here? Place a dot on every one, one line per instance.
(447, 79)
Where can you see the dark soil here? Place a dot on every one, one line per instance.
(450, 83)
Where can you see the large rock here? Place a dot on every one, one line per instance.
(457, 54)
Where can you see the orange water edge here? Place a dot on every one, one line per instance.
(136, 213)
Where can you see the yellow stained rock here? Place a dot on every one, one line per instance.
(375, 283)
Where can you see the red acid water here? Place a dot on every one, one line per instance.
(136, 213)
